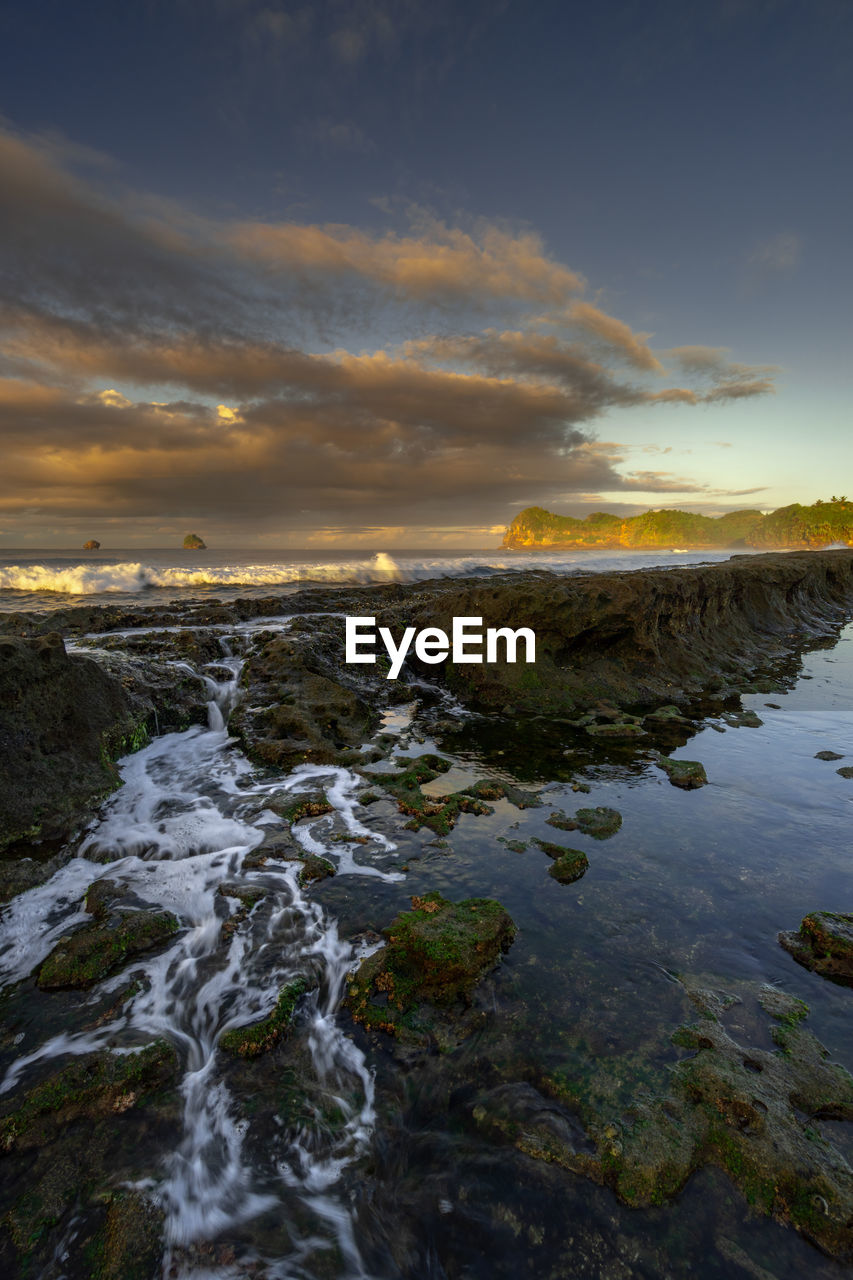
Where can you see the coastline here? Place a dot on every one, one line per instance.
(589, 870)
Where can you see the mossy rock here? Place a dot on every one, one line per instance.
(129, 1245)
(601, 823)
(747, 1110)
(315, 868)
(742, 719)
(686, 774)
(260, 1037)
(562, 822)
(570, 866)
(94, 951)
(435, 954)
(667, 715)
(312, 805)
(824, 944)
(91, 1086)
(438, 815)
(617, 729)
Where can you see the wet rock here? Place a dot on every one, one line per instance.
(569, 866)
(91, 1086)
(260, 1037)
(315, 868)
(747, 1110)
(667, 715)
(312, 804)
(846, 772)
(19, 874)
(92, 545)
(620, 729)
(824, 944)
(742, 719)
(63, 721)
(433, 958)
(88, 955)
(437, 814)
(129, 1246)
(687, 774)
(638, 637)
(301, 703)
(601, 823)
(828, 755)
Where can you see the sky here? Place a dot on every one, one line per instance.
(385, 272)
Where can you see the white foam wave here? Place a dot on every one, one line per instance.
(135, 577)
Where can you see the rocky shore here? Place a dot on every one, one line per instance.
(652, 642)
(721, 1075)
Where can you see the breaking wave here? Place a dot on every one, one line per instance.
(97, 579)
(39, 582)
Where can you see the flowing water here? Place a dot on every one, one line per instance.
(379, 1170)
(189, 810)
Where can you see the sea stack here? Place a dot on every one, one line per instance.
(192, 542)
(92, 545)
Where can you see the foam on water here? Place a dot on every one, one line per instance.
(189, 812)
(49, 577)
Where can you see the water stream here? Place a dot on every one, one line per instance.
(190, 809)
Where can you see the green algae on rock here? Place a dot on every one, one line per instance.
(569, 866)
(92, 1085)
(129, 1244)
(824, 944)
(749, 1111)
(687, 774)
(434, 955)
(84, 957)
(601, 823)
(260, 1037)
(439, 815)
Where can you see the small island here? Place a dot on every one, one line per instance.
(795, 527)
(92, 545)
(192, 542)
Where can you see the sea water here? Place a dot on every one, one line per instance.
(42, 580)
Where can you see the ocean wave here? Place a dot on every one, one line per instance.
(130, 578)
(88, 579)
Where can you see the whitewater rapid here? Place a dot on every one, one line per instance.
(176, 834)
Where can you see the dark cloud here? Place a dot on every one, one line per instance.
(155, 362)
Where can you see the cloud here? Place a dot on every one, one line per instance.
(723, 378)
(632, 346)
(155, 361)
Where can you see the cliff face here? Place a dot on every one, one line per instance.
(639, 637)
(796, 526)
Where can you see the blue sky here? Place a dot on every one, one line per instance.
(436, 262)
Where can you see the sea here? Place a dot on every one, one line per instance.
(41, 580)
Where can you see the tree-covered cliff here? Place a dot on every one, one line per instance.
(818, 525)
